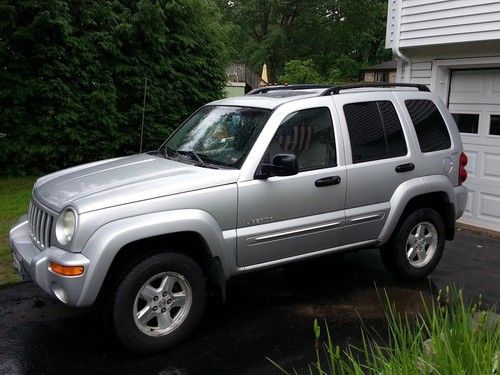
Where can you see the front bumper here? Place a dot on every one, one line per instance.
(35, 265)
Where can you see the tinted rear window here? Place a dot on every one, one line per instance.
(374, 130)
(430, 127)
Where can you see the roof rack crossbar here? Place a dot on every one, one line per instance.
(335, 90)
(266, 89)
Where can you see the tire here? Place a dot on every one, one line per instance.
(163, 279)
(416, 246)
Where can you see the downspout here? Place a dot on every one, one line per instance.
(395, 43)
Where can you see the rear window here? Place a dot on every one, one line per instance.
(374, 130)
(430, 127)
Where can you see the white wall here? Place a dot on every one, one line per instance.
(432, 22)
(424, 62)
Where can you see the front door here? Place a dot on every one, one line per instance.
(286, 217)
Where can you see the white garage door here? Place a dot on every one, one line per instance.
(475, 104)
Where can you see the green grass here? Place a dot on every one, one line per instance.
(15, 193)
(448, 337)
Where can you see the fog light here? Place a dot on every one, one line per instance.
(66, 270)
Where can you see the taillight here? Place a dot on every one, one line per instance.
(462, 173)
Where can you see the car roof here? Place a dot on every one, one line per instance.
(270, 97)
(269, 100)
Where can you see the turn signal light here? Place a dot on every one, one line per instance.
(462, 173)
(66, 270)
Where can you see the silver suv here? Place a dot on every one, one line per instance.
(282, 174)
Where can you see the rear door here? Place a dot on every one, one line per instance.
(378, 159)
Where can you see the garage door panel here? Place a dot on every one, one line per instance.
(475, 87)
(478, 91)
(489, 207)
(466, 82)
(491, 166)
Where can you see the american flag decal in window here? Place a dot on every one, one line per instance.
(296, 138)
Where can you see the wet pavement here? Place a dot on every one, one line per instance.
(267, 314)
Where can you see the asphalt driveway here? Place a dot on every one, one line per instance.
(269, 313)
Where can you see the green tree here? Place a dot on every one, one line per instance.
(72, 75)
(277, 31)
(300, 71)
(344, 69)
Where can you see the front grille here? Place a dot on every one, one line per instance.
(40, 221)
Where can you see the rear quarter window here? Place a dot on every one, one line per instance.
(430, 127)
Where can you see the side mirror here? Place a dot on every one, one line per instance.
(282, 165)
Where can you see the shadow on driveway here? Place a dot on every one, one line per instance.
(269, 313)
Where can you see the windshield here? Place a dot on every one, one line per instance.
(218, 135)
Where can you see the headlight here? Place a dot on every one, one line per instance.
(66, 226)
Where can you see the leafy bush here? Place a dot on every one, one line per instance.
(449, 337)
(344, 69)
(72, 76)
(300, 71)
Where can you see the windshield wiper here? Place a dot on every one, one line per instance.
(199, 161)
(193, 153)
(178, 155)
(170, 150)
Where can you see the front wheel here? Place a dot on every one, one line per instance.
(159, 302)
(417, 245)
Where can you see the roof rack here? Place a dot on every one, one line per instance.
(266, 89)
(335, 90)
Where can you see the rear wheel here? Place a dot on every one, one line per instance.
(159, 303)
(417, 245)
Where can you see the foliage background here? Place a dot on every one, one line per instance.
(331, 38)
(72, 76)
(72, 72)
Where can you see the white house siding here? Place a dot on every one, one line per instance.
(391, 23)
(454, 48)
(420, 71)
(413, 23)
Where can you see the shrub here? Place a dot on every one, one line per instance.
(72, 76)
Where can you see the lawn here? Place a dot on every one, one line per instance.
(15, 193)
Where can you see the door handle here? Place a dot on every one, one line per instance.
(405, 167)
(327, 181)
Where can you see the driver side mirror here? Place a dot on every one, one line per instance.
(282, 165)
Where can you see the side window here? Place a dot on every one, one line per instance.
(375, 131)
(429, 125)
(309, 135)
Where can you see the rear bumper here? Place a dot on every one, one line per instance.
(461, 194)
(35, 265)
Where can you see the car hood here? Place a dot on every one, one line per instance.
(125, 180)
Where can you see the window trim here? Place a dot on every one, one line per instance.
(494, 136)
(336, 139)
(463, 112)
(406, 136)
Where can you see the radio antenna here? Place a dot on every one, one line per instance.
(143, 111)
